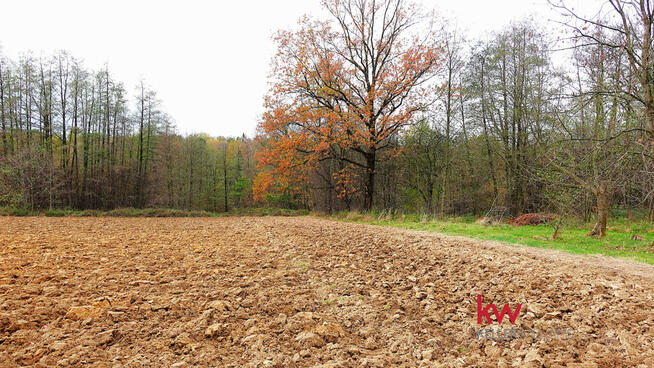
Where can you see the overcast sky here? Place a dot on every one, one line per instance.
(207, 60)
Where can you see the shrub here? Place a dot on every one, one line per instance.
(530, 219)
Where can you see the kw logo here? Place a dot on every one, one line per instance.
(499, 316)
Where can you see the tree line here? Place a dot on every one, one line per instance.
(381, 105)
(386, 106)
(70, 139)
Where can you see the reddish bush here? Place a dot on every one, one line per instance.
(533, 219)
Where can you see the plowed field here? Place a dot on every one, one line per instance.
(305, 292)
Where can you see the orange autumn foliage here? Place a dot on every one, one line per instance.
(341, 89)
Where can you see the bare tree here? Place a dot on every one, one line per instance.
(626, 26)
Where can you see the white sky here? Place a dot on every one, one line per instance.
(207, 60)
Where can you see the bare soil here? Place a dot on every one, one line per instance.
(304, 292)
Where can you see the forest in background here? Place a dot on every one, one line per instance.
(383, 106)
(70, 139)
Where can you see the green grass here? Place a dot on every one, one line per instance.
(572, 238)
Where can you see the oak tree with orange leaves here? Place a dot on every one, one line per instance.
(342, 88)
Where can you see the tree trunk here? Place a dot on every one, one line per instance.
(2, 113)
(603, 205)
(225, 196)
(448, 121)
(370, 180)
(649, 113)
(486, 138)
(470, 171)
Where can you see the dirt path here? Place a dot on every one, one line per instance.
(304, 292)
